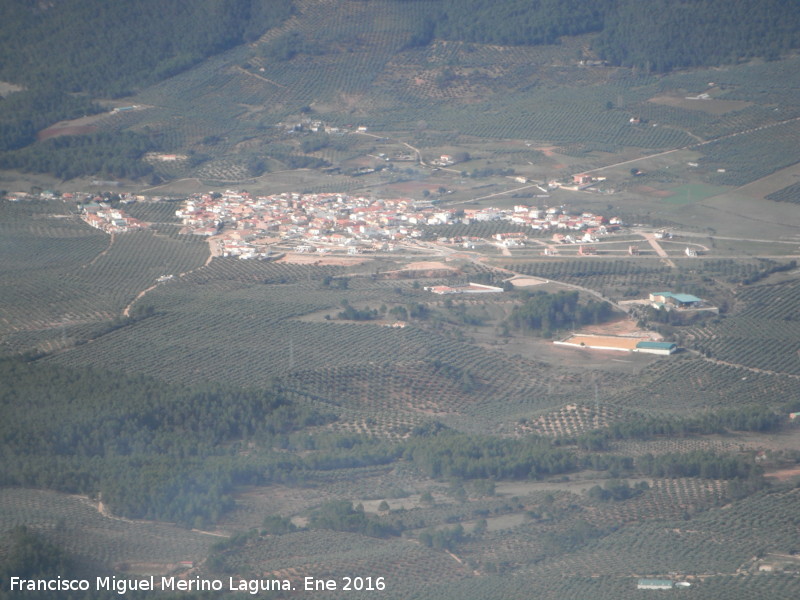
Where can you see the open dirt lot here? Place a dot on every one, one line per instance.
(296, 258)
(624, 326)
(592, 341)
(522, 282)
(426, 265)
(785, 474)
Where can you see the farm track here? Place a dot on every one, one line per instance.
(573, 286)
(262, 78)
(749, 218)
(103, 510)
(106, 513)
(126, 312)
(416, 151)
(594, 293)
(169, 183)
(103, 253)
(651, 239)
(741, 366)
(736, 239)
(511, 191)
(693, 146)
(441, 251)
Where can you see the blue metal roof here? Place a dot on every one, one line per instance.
(657, 345)
(683, 298)
(686, 298)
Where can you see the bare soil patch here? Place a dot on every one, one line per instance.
(425, 265)
(7, 88)
(522, 282)
(623, 326)
(785, 474)
(543, 349)
(772, 183)
(651, 191)
(548, 151)
(421, 269)
(595, 342)
(57, 131)
(297, 258)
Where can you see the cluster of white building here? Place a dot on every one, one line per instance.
(110, 220)
(326, 221)
(555, 218)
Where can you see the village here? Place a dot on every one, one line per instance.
(333, 222)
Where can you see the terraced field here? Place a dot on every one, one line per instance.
(227, 107)
(68, 276)
(708, 546)
(385, 393)
(764, 335)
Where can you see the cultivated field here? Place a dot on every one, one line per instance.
(456, 386)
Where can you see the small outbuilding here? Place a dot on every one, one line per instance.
(662, 348)
(675, 300)
(654, 584)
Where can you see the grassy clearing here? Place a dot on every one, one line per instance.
(688, 193)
